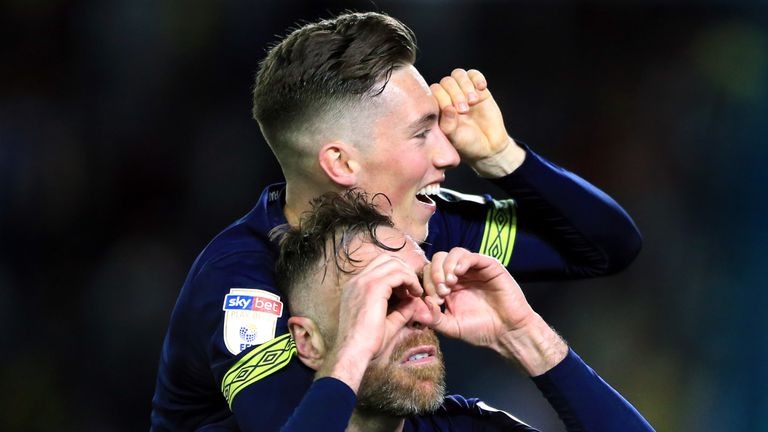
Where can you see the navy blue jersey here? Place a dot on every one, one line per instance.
(579, 396)
(472, 415)
(227, 349)
(328, 404)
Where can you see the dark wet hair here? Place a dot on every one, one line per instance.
(334, 221)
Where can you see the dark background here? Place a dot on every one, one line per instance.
(126, 143)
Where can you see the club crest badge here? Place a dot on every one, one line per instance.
(250, 318)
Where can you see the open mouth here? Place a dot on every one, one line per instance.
(424, 193)
(418, 355)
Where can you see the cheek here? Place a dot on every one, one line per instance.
(409, 171)
(398, 174)
(397, 182)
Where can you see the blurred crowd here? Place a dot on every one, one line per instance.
(126, 143)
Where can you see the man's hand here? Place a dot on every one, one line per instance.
(471, 119)
(484, 301)
(365, 323)
(486, 307)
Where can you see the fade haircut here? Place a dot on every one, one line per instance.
(323, 236)
(324, 69)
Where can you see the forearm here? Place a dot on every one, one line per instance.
(580, 397)
(536, 348)
(589, 232)
(585, 402)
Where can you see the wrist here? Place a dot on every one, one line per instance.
(502, 163)
(347, 365)
(536, 347)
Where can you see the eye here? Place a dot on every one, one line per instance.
(399, 295)
(392, 303)
(423, 134)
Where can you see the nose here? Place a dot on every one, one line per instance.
(422, 316)
(445, 155)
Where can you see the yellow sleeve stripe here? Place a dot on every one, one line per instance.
(262, 361)
(500, 230)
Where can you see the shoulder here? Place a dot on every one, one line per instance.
(244, 248)
(474, 222)
(238, 261)
(451, 196)
(234, 258)
(464, 413)
(459, 403)
(451, 200)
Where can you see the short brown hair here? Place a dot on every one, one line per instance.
(322, 66)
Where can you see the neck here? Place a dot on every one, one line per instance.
(374, 423)
(298, 195)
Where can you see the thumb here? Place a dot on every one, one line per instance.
(449, 120)
(441, 322)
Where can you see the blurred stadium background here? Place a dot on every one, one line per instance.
(126, 143)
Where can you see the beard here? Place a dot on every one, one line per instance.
(402, 391)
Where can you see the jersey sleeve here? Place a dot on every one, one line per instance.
(583, 401)
(248, 346)
(327, 406)
(554, 225)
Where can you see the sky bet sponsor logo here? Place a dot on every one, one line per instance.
(234, 302)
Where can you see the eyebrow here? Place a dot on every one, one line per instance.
(425, 120)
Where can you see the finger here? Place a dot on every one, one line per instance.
(383, 267)
(437, 274)
(478, 79)
(394, 321)
(441, 322)
(430, 288)
(403, 280)
(399, 293)
(413, 285)
(434, 309)
(389, 273)
(458, 99)
(442, 96)
(467, 261)
(456, 264)
(466, 84)
(449, 120)
(448, 116)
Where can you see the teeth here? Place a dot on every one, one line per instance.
(432, 189)
(418, 356)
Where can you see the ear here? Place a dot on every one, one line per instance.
(309, 343)
(340, 163)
